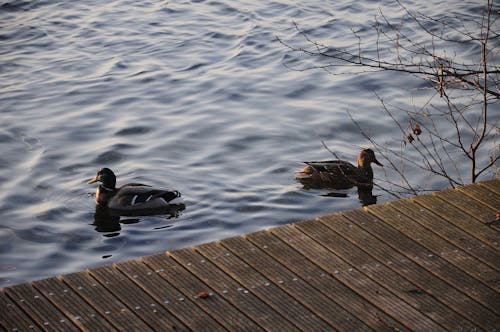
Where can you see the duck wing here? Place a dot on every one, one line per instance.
(336, 174)
(138, 196)
(339, 167)
(133, 184)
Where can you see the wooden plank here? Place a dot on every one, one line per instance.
(137, 301)
(430, 261)
(364, 272)
(162, 291)
(105, 302)
(493, 185)
(453, 253)
(483, 195)
(39, 308)
(12, 318)
(466, 242)
(291, 283)
(216, 306)
(268, 291)
(457, 217)
(419, 287)
(325, 282)
(231, 290)
(72, 305)
(467, 204)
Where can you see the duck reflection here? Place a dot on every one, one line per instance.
(106, 222)
(109, 221)
(365, 195)
(364, 190)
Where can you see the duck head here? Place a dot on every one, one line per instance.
(366, 157)
(106, 177)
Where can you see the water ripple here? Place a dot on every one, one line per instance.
(193, 95)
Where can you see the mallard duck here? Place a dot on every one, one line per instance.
(132, 198)
(339, 173)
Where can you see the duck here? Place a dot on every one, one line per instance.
(132, 198)
(339, 174)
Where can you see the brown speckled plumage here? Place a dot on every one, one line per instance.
(339, 174)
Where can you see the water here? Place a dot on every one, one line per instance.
(191, 95)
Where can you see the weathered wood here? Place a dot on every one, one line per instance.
(39, 309)
(433, 263)
(12, 318)
(324, 282)
(183, 307)
(72, 305)
(385, 264)
(454, 254)
(483, 195)
(428, 263)
(463, 240)
(386, 288)
(139, 302)
(268, 291)
(467, 204)
(493, 185)
(457, 217)
(225, 286)
(105, 302)
(216, 306)
(302, 291)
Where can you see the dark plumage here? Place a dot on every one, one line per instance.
(132, 197)
(339, 174)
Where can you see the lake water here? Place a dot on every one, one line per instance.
(192, 95)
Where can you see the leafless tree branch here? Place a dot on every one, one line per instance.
(464, 90)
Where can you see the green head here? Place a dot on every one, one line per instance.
(106, 177)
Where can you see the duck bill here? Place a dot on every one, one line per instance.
(378, 163)
(93, 180)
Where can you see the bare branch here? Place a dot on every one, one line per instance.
(466, 89)
(328, 149)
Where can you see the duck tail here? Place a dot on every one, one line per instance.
(170, 195)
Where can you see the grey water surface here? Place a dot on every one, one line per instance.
(193, 95)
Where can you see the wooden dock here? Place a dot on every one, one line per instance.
(430, 263)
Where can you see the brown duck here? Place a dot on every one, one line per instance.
(339, 174)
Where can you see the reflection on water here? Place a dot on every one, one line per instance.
(192, 95)
(365, 194)
(108, 221)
